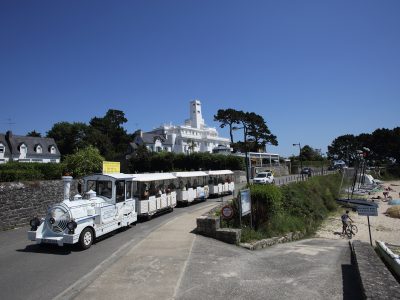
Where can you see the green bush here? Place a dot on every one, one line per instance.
(297, 206)
(145, 161)
(17, 171)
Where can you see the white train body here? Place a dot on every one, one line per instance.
(154, 193)
(221, 182)
(112, 201)
(100, 211)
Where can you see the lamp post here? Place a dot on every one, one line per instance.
(301, 161)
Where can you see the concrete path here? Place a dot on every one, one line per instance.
(153, 268)
(173, 263)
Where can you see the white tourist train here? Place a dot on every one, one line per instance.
(113, 201)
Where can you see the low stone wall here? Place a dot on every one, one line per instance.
(21, 201)
(210, 226)
(376, 280)
(289, 237)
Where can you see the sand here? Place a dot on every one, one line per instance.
(383, 227)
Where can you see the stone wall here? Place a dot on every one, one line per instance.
(210, 226)
(376, 280)
(21, 201)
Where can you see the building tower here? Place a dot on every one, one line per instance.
(196, 119)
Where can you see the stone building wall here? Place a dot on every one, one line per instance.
(21, 201)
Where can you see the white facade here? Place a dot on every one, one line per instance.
(194, 136)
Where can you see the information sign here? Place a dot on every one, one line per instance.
(111, 167)
(364, 210)
(245, 202)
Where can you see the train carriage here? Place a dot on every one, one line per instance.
(192, 186)
(154, 193)
(221, 182)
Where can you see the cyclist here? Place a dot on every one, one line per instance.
(346, 221)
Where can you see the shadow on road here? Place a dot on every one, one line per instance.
(49, 249)
(351, 284)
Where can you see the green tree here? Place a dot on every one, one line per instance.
(228, 117)
(310, 154)
(83, 162)
(69, 137)
(109, 129)
(34, 134)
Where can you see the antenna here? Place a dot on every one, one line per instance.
(9, 123)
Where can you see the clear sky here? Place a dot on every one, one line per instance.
(314, 70)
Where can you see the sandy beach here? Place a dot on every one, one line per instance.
(383, 228)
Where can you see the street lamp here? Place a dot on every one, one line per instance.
(301, 161)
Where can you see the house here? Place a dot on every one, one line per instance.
(27, 149)
(193, 136)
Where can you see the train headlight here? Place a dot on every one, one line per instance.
(35, 222)
(71, 227)
(52, 220)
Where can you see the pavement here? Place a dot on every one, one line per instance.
(174, 263)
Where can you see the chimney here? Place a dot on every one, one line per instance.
(67, 186)
(9, 135)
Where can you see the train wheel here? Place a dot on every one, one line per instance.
(86, 238)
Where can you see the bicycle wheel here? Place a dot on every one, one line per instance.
(354, 229)
(349, 233)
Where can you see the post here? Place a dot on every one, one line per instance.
(246, 155)
(369, 229)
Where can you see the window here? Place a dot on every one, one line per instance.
(120, 191)
(1, 148)
(129, 189)
(101, 187)
(52, 150)
(23, 150)
(38, 149)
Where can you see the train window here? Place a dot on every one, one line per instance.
(128, 190)
(104, 188)
(120, 192)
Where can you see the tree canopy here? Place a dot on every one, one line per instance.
(256, 134)
(105, 133)
(383, 145)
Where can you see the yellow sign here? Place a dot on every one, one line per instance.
(111, 167)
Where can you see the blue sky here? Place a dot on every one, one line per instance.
(314, 70)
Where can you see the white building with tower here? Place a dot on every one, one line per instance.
(193, 136)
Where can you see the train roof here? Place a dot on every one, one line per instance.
(112, 175)
(220, 172)
(152, 176)
(190, 174)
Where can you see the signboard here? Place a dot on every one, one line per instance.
(227, 212)
(367, 210)
(111, 167)
(245, 202)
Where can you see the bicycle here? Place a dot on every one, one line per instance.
(351, 230)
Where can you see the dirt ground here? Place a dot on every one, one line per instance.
(383, 227)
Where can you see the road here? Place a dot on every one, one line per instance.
(30, 271)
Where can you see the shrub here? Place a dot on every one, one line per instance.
(83, 162)
(294, 207)
(17, 171)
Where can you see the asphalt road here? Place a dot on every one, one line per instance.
(30, 271)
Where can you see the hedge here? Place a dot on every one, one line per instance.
(15, 171)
